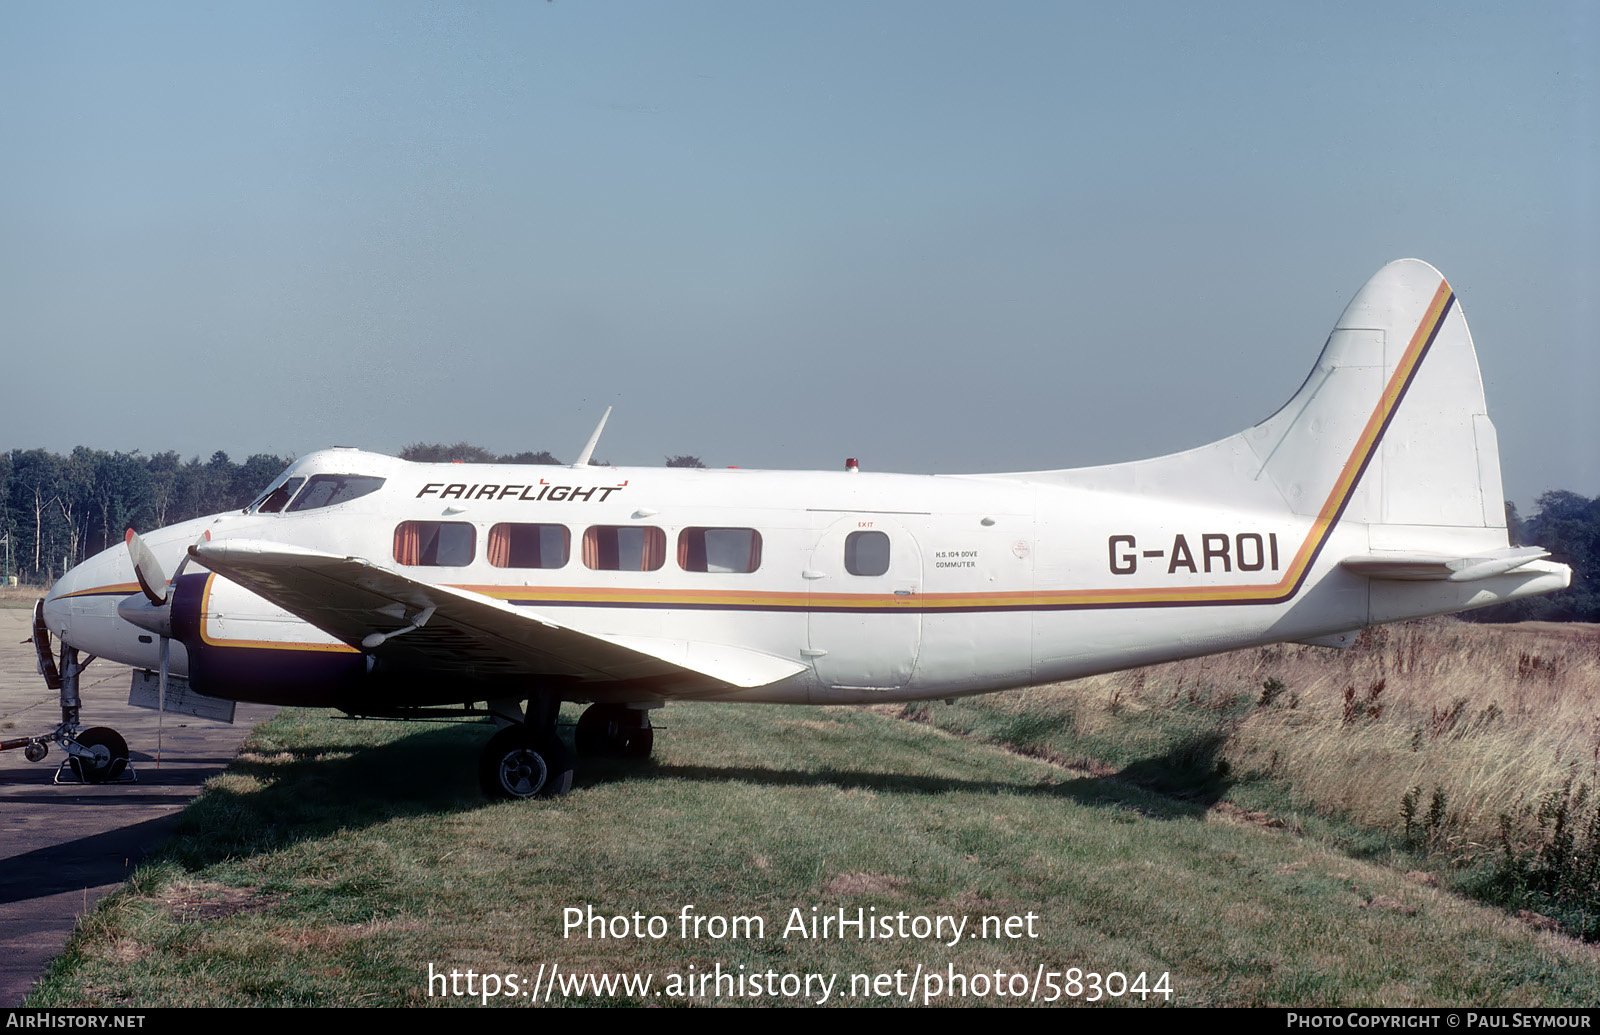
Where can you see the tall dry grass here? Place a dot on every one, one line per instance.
(1475, 745)
(1488, 721)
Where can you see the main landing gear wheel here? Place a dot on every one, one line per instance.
(518, 763)
(612, 729)
(105, 757)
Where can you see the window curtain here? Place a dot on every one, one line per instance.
(692, 549)
(408, 543)
(655, 549)
(500, 546)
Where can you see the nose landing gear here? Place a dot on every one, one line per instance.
(97, 755)
(94, 755)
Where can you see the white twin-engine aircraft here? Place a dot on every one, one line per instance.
(388, 588)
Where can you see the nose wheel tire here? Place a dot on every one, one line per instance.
(517, 763)
(104, 755)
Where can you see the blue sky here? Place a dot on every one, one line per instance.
(935, 236)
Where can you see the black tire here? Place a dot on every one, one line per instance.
(641, 740)
(615, 731)
(518, 763)
(592, 736)
(107, 757)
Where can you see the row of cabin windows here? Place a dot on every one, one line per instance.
(453, 544)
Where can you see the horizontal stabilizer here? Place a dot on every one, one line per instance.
(1424, 567)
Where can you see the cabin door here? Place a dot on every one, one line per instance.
(865, 583)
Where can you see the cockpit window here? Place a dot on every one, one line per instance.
(326, 490)
(273, 501)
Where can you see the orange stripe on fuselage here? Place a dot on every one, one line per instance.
(121, 589)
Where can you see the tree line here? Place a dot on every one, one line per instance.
(467, 453)
(56, 510)
(1568, 525)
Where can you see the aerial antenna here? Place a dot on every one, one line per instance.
(588, 450)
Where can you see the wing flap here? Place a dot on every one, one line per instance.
(408, 623)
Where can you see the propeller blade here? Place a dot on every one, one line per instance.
(147, 569)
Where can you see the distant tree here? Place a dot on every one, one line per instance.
(467, 453)
(684, 461)
(541, 457)
(124, 497)
(75, 496)
(436, 453)
(1568, 525)
(203, 488)
(34, 487)
(1561, 505)
(66, 507)
(251, 477)
(163, 468)
(7, 516)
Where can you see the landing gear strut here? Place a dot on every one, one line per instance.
(527, 759)
(615, 730)
(94, 755)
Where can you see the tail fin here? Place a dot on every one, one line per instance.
(1388, 434)
(1390, 428)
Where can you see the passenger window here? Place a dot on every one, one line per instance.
(866, 553)
(529, 546)
(438, 544)
(624, 548)
(719, 549)
(325, 490)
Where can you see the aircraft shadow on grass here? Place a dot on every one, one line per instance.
(317, 789)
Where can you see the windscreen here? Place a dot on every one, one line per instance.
(325, 490)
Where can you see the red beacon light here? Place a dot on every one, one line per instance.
(851, 465)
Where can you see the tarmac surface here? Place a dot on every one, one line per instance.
(64, 847)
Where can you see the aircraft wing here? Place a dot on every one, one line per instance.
(1428, 567)
(429, 628)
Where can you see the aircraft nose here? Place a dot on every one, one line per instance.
(55, 610)
(58, 602)
(77, 592)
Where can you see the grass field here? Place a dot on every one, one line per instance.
(1110, 825)
(1474, 749)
